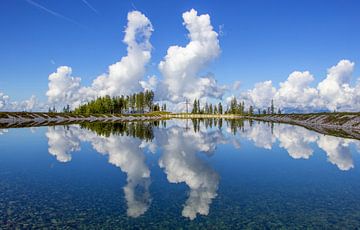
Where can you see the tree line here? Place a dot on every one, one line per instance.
(239, 108)
(235, 107)
(135, 103)
(144, 102)
(207, 108)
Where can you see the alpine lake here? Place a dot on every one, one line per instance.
(178, 174)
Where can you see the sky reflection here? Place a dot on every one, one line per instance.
(182, 146)
(299, 142)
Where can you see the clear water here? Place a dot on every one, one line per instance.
(178, 174)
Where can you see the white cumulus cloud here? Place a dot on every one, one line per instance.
(3, 100)
(30, 104)
(63, 87)
(181, 65)
(295, 92)
(335, 92)
(122, 78)
(261, 94)
(26, 105)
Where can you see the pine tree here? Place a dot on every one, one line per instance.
(220, 108)
(206, 108)
(242, 111)
(195, 108)
(233, 105)
(107, 104)
(251, 110)
(272, 107)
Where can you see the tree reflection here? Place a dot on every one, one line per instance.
(124, 151)
(180, 145)
(142, 130)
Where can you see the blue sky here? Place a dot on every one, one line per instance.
(261, 40)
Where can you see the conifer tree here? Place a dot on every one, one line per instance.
(220, 108)
(195, 109)
(251, 110)
(272, 108)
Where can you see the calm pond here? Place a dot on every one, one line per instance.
(178, 173)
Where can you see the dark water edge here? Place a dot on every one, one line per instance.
(336, 131)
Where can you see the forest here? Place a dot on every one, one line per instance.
(207, 108)
(239, 108)
(143, 102)
(234, 107)
(136, 103)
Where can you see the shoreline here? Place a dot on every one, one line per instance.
(345, 125)
(340, 124)
(326, 120)
(35, 119)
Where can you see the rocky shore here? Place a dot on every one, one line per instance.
(337, 124)
(28, 119)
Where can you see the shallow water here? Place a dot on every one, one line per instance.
(178, 173)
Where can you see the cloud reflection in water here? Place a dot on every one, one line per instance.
(180, 146)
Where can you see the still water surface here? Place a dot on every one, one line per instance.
(178, 173)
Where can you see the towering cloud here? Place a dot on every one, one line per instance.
(181, 65)
(122, 77)
(181, 70)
